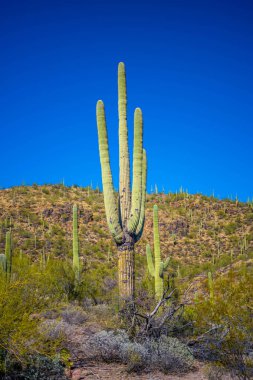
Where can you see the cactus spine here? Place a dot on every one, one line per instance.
(125, 218)
(8, 253)
(157, 268)
(76, 262)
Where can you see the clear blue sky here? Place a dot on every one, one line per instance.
(189, 67)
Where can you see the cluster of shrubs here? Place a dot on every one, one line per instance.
(228, 316)
(39, 368)
(164, 353)
(25, 350)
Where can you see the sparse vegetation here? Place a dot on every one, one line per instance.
(165, 354)
(43, 278)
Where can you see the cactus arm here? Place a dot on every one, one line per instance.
(151, 267)
(76, 261)
(111, 208)
(137, 173)
(124, 165)
(143, 197)
(161, 269)
(3, 262)
(166, 263)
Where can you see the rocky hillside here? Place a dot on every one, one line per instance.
(199, 233)
(195, 230)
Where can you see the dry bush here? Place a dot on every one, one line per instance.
(164, 354)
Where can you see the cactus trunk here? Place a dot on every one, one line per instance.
(126, 271)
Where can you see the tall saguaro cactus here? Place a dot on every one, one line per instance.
(157, 268)
(76, 262)
(126, 217)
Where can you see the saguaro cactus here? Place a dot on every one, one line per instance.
(8, 253)
(157, 268)
(76, 262)
(43, 260)
(126, 217)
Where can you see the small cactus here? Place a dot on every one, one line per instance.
(21, 254)
(196, 297)
(158, 268)
(76, 261)
(231, 255)
(43, 260)
(178, 272)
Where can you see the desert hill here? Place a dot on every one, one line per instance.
(196, 231)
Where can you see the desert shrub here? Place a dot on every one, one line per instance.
(105, 315)
(59, 245)
(115, 346)
(215, 372)
(106, 345)
(222, 261)
(39, 368)
(45, 191)
(25, 234)
(230, 228)
(29, 292)
(168, 354)
(249, 217)
(228, 318)
(73, 315)
(96, 284)
(165, 354)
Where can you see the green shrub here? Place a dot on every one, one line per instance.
(230, 228)
(229, 316)
(22, 301)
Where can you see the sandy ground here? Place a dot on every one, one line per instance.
(118, 372)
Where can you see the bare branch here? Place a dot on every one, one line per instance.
(201, 337)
